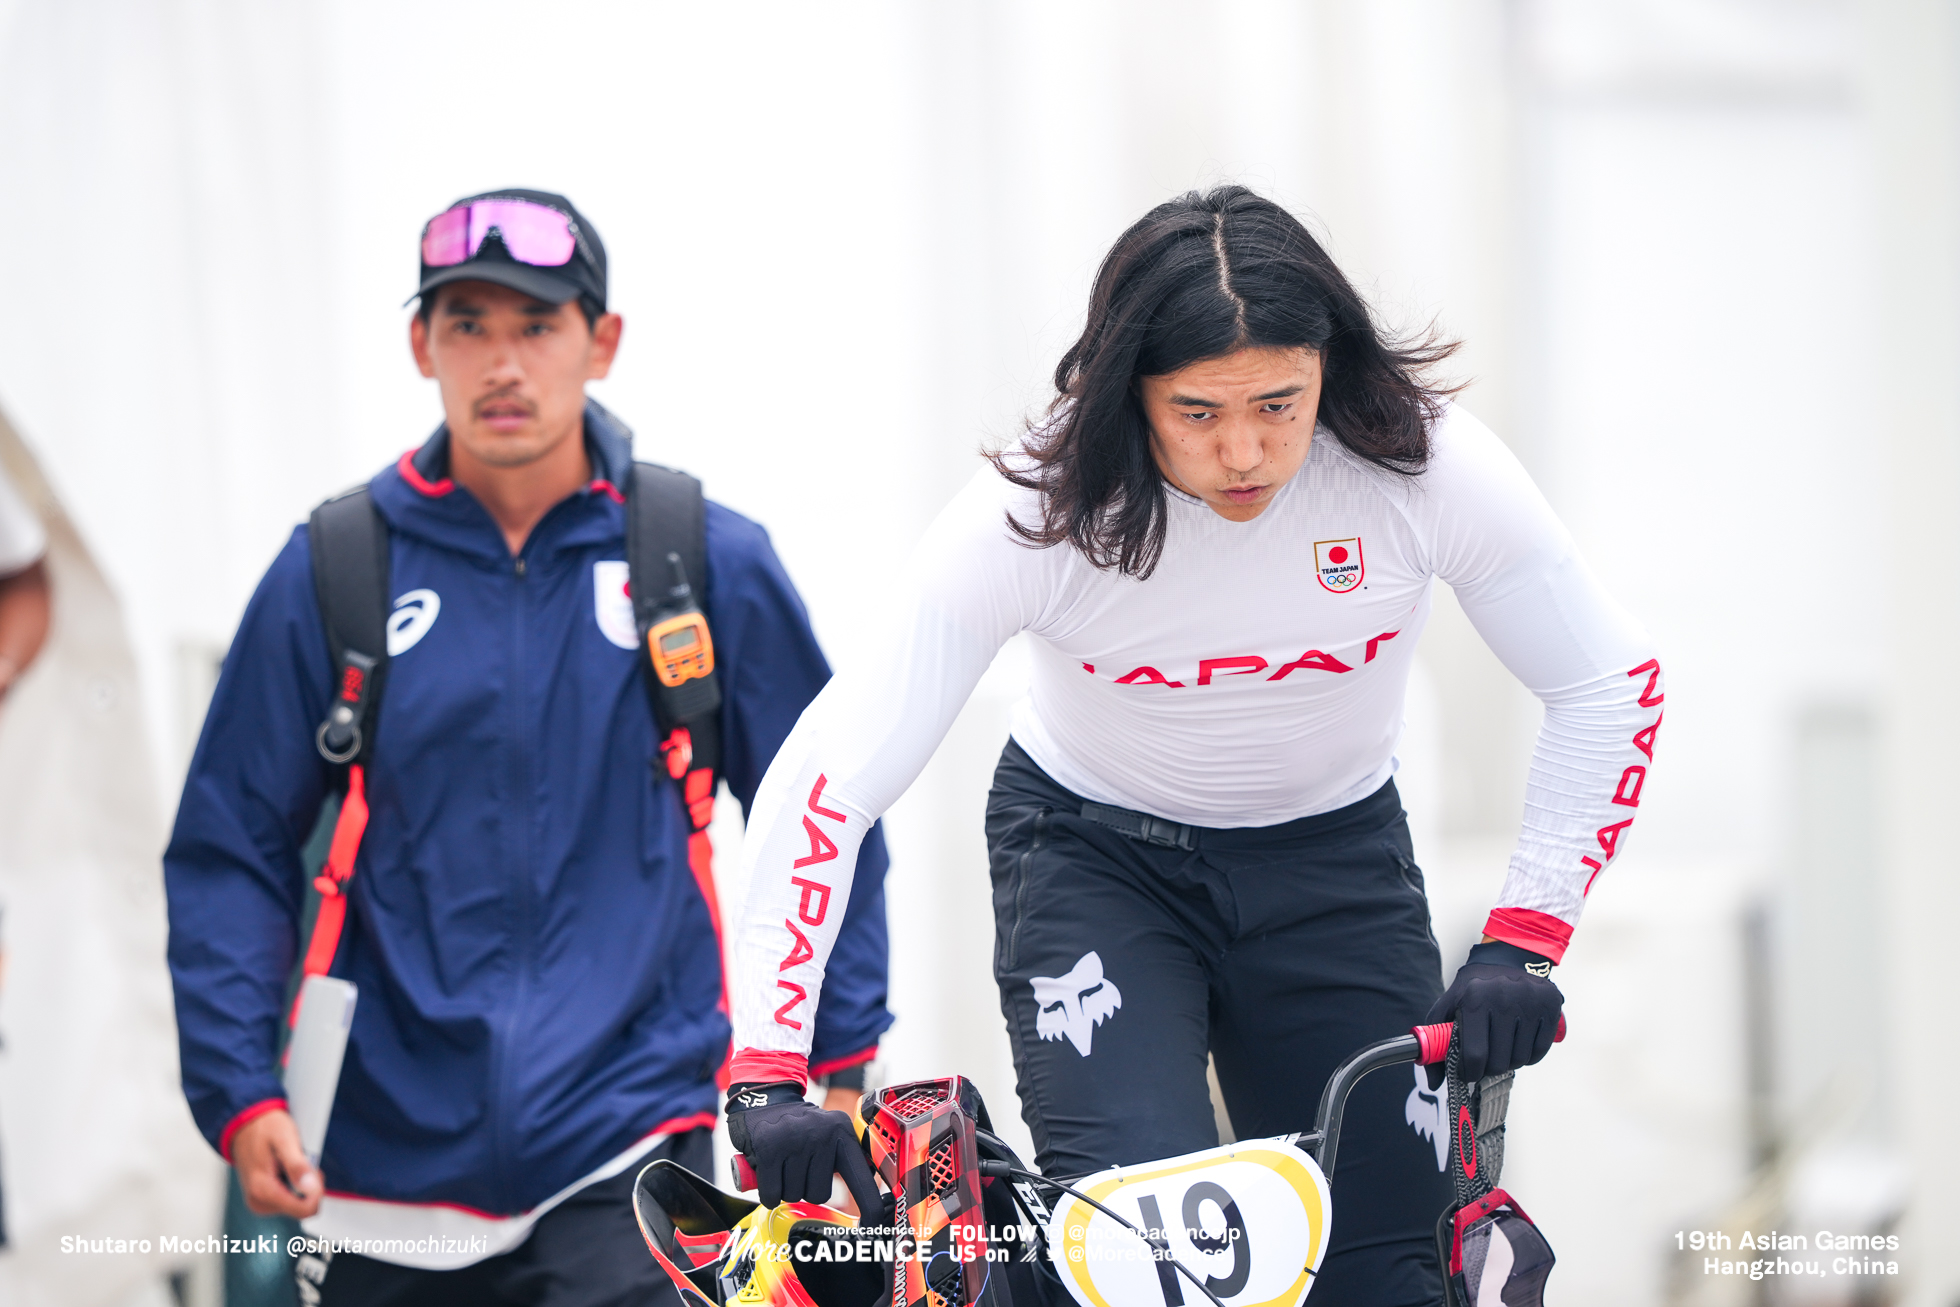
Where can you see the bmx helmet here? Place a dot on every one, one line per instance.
(724, 1251)
(799, 1255)
(923, 1143)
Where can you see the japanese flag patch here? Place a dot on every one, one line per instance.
(612, 605)
(1338, 564)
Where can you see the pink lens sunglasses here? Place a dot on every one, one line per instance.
(533, 233)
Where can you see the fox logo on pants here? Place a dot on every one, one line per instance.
(1073, 1005)
(1428, 1111)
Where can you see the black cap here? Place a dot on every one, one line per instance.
(584, 276)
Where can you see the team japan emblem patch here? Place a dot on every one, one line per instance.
(1338, 564)
(612, 603)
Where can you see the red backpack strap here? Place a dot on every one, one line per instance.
(698, 794)
(332, 881)
(349, 544)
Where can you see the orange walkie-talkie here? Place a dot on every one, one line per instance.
(679, 643)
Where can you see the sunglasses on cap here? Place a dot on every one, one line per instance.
(533, 233)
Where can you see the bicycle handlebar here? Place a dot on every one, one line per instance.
(1424, 1045)
(1433, 1042)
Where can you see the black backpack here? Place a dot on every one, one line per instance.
(666, 537)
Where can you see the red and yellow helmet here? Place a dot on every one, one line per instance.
(922, 1142)
(725, 1251)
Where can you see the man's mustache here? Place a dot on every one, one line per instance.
(506, 399)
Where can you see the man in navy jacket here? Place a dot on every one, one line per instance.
(540, 983)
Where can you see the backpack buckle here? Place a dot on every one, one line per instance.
(339, 738)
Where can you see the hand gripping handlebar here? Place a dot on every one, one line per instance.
(1423, 1045)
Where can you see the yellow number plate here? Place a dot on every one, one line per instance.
(1250, 1219)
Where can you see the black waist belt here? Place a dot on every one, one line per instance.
(1141, 826)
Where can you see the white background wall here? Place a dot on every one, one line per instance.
(1680, 237)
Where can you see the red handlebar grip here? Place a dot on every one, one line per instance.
(1433, 1042)
(744, 1173)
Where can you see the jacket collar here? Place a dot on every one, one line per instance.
(417, 496)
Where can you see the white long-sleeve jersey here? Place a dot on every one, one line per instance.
(1256, 677)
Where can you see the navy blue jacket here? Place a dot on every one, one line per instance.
(540, 984)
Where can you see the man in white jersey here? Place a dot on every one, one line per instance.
(1222, 541)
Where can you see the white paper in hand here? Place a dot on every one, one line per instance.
(326, 1014)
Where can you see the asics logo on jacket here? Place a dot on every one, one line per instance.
(415, 612)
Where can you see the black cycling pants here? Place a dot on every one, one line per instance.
(585, 1252)
(1278, 950)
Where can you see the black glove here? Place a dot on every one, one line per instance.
(1506, 1011)
(795, 1147)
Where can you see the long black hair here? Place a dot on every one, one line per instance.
(1199, 277)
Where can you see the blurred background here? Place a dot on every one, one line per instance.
(1702, 252)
